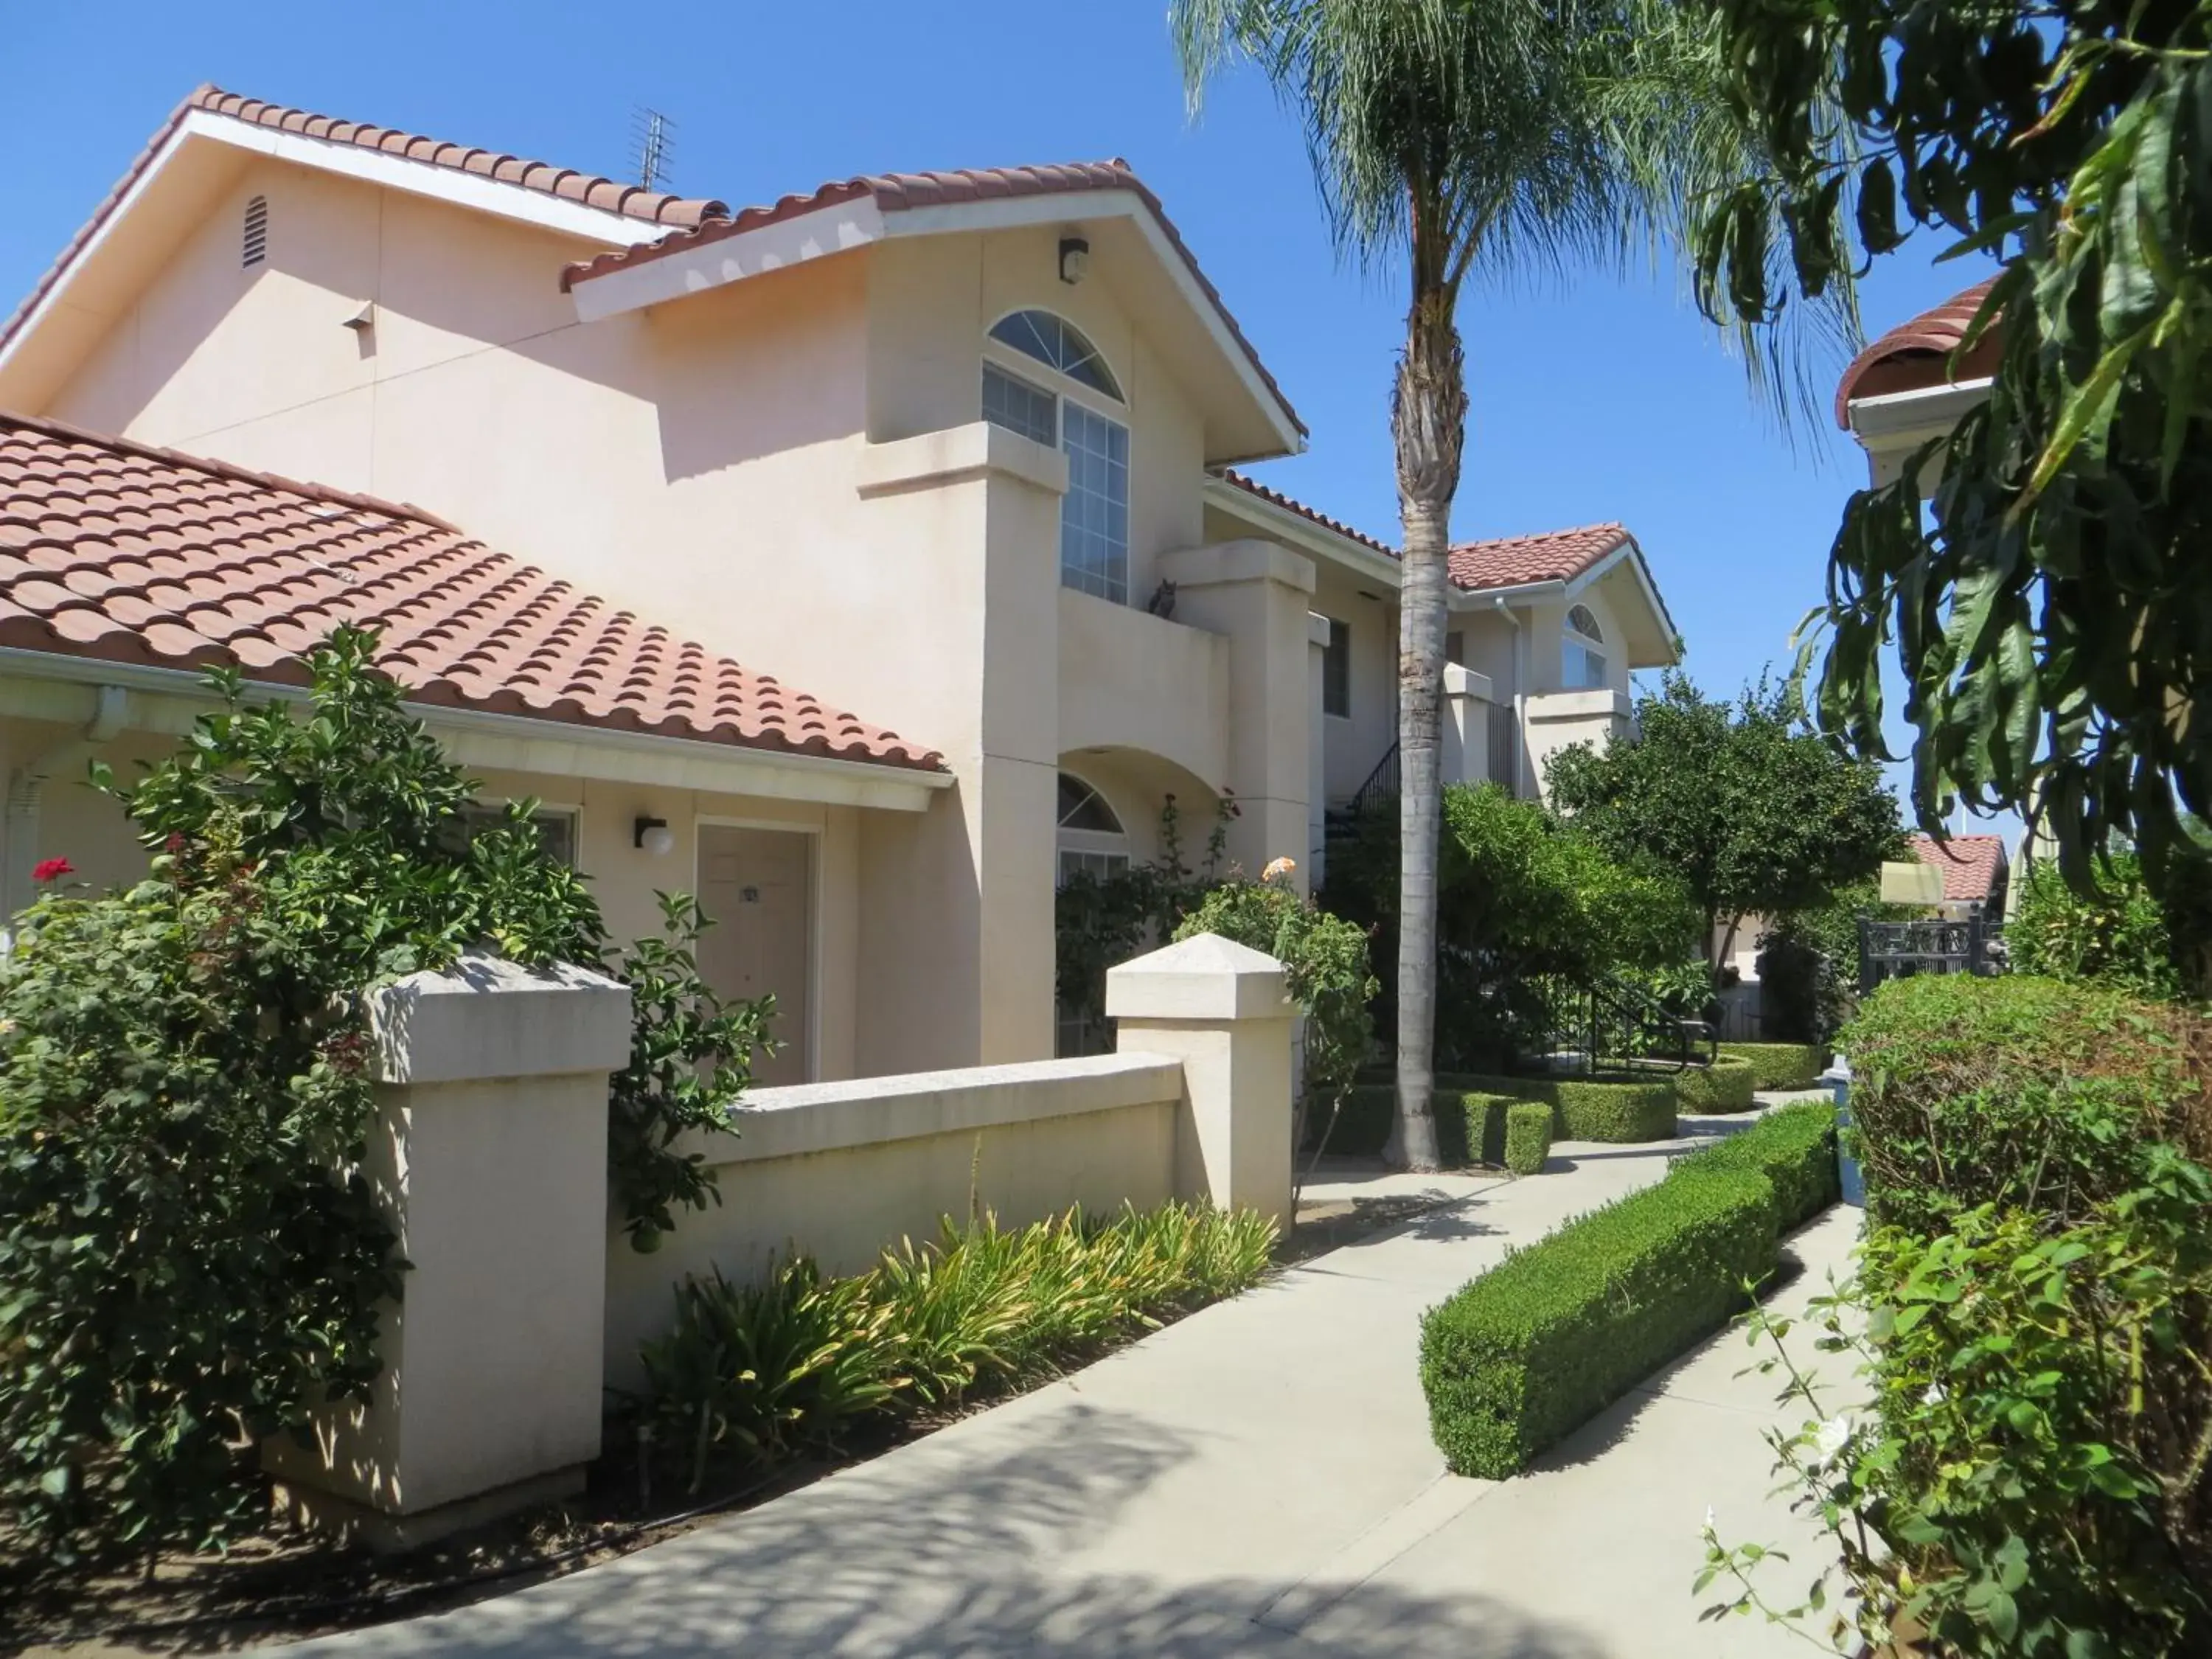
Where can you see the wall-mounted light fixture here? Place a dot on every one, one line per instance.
(1074, 259)
(653, 835)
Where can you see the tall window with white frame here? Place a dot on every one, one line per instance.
(1091, 843)
(1074, 413)
(1336, 671)
(1582, 665)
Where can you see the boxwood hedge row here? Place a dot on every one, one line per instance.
(1527, 1136)
(1590, 1108)
(1781, 1065)
(1529, 1350)
(1726, 1086)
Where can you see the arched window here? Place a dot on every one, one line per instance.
(1094, 514)
(1091, 836)
(1058, 343)
(254, 246)
(1584, 665)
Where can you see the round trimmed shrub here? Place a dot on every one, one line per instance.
(1781, 1067)
(1726, 1086)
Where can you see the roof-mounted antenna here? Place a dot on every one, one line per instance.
(653, 145)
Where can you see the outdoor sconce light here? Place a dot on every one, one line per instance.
(653, 836)
(1074, 259)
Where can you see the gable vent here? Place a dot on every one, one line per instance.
(255, 248)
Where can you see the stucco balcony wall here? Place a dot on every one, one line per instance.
(1560, 719)
(1131, 680)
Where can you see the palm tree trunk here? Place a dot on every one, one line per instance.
(1429, 422)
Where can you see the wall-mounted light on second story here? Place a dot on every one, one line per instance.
(1074, 259)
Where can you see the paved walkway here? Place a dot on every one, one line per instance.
(1256, 1481)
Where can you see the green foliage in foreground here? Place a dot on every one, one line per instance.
(1470, 1124)
(2026, 1093)
(1527, 1137)
(1619, 1110)
(1527, 1352)
(1726, 1086)
(753, 1374)
(2051, 620)
(1780, 1067)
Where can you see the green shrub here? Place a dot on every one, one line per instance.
(1780, 1067)
(1621, 1111)
(756, 1373)
(1470, 1124)
(1794, 1148)
(2119, 938)
(1527, 1137)
(1525, 1353)
(1726, 1086)
(2014, 1091)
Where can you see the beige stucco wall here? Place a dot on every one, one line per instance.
(77, 823)
(1020, 1142)
(1352, 745)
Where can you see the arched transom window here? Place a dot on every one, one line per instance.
(1091, 840)
(1584, 665)
(1094, 514)
(1058, 343)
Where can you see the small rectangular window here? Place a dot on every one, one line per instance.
(1336, 671)
(1455, 647)
(556, 829)
(1020, 407)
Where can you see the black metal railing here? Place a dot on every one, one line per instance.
(1381, 782)
(1610, 1024)
(1504, 767)
(1899, 950)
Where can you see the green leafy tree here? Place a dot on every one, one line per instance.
(2052, 622)
(2118, 936)
(1756, 814)
(189, 1261)
(1448, 135)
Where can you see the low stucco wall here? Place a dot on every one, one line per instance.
(842, 1170)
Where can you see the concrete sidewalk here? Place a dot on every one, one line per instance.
(1257, 1479)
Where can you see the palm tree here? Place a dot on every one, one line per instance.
(1506, 134)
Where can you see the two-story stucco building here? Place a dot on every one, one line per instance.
(952, 451)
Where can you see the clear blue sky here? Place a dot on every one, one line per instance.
(1596, 400)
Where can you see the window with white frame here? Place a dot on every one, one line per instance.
(555, 827)
(1583, 666)
(1094, 514)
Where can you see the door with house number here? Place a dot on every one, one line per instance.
(757, 886)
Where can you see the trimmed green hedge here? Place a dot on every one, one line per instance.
(1781, 1065)
(1794, 1148)
(1470, 1124)
(1528, 1352)
(1533, 1348)
(1589, 1109)
(1527, 1136)
(1726, 1086)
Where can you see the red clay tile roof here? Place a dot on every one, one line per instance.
(114, 551)
(1254, 487)
(1554, 556)
(895, 193)
(647, 206)
(1970, 863)
(1916, 354)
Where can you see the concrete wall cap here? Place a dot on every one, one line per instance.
(1463, 682)
(488, 1017)
(1206, 977)
(803, 1118)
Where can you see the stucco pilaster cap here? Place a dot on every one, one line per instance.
(487, 1017)
(1206, 977)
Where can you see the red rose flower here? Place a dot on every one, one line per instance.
(50, 870)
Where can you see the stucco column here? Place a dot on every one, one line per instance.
(490, 1156)
(1221, 1009)
(1465, 725)
(1316, 870)
(1260, 595)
